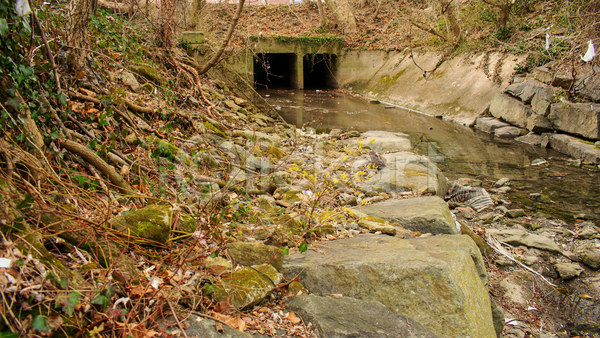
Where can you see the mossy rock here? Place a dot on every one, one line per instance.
(291, 196)
(211, 129)
(153, 223)
(324, 230)
(248, 286)
(294, 288)
(266, 206)
(249, 254)
(148, 72)
(374, 224)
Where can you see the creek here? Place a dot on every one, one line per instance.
(564, 191)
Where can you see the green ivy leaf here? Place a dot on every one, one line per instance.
(208, 288)
(303, 247)
(101, 300)
(39, 323)
(72, 301)
(9, 335)
(3, 27)
(26, 203)
(286, 251)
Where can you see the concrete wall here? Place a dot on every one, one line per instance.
(459, 90)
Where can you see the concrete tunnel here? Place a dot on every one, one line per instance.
(289, 70)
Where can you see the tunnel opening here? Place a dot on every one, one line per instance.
(319, 70)
(275, 70)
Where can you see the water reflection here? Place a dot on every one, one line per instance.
(459, 151)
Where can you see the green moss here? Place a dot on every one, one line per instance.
(389, 80)
(213, 129)
(147, 72)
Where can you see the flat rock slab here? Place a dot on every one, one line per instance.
(439, 281)
(522, 237)
(489, 124)
(334, 317)
(382, 141)
(507, 132)
(574, 147)
(424, 214)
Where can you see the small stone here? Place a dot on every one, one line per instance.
(530, 260)
(504, 262)
(591, 259)
(501, 182)
(568, 270)
(587, 234)
(353, 133)
(130, 81)
(503, 190)
(514, 213)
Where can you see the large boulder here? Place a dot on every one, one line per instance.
(153, 222)
(406, 171)
(439, 281)
(577, 118)
(574, 147)
(424, 214)
(510, 110)
(350, 317)
(382, 141)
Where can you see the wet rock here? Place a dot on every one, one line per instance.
(350, 317)
(507, 132)
(382, 141)
(591, 259)
(514, 213)
(576, 118)
(374, 224)
(510, 110)
(153, 222)
(489, 124)
(568, 270)
(574, 147)
(406, 172)
(249, 254)
(248, 286)
(424, 214)
(522, 237)
(406, 276)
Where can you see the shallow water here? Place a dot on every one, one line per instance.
(457, 150)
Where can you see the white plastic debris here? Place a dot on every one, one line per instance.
(547, 41)
(156, 282)
(5, 263)
(22, 8)
(531, 308)
(591, 52)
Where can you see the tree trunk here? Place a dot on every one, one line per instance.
(79, 17)
(343, 15)
(454, 27)
(217, 56)
(504, 14)
(322, 17)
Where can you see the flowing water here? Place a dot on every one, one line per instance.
(565, 191)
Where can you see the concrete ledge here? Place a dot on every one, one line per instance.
(574, 147)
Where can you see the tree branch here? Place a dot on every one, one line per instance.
(428, 30)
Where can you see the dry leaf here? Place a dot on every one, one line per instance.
(237, 323)
(293, 318)
(337, 295)
(223, 306)
(263, 309)
(87, 92)
(222, 317)
(218, 327)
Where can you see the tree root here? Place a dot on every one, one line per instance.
(95, 160)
